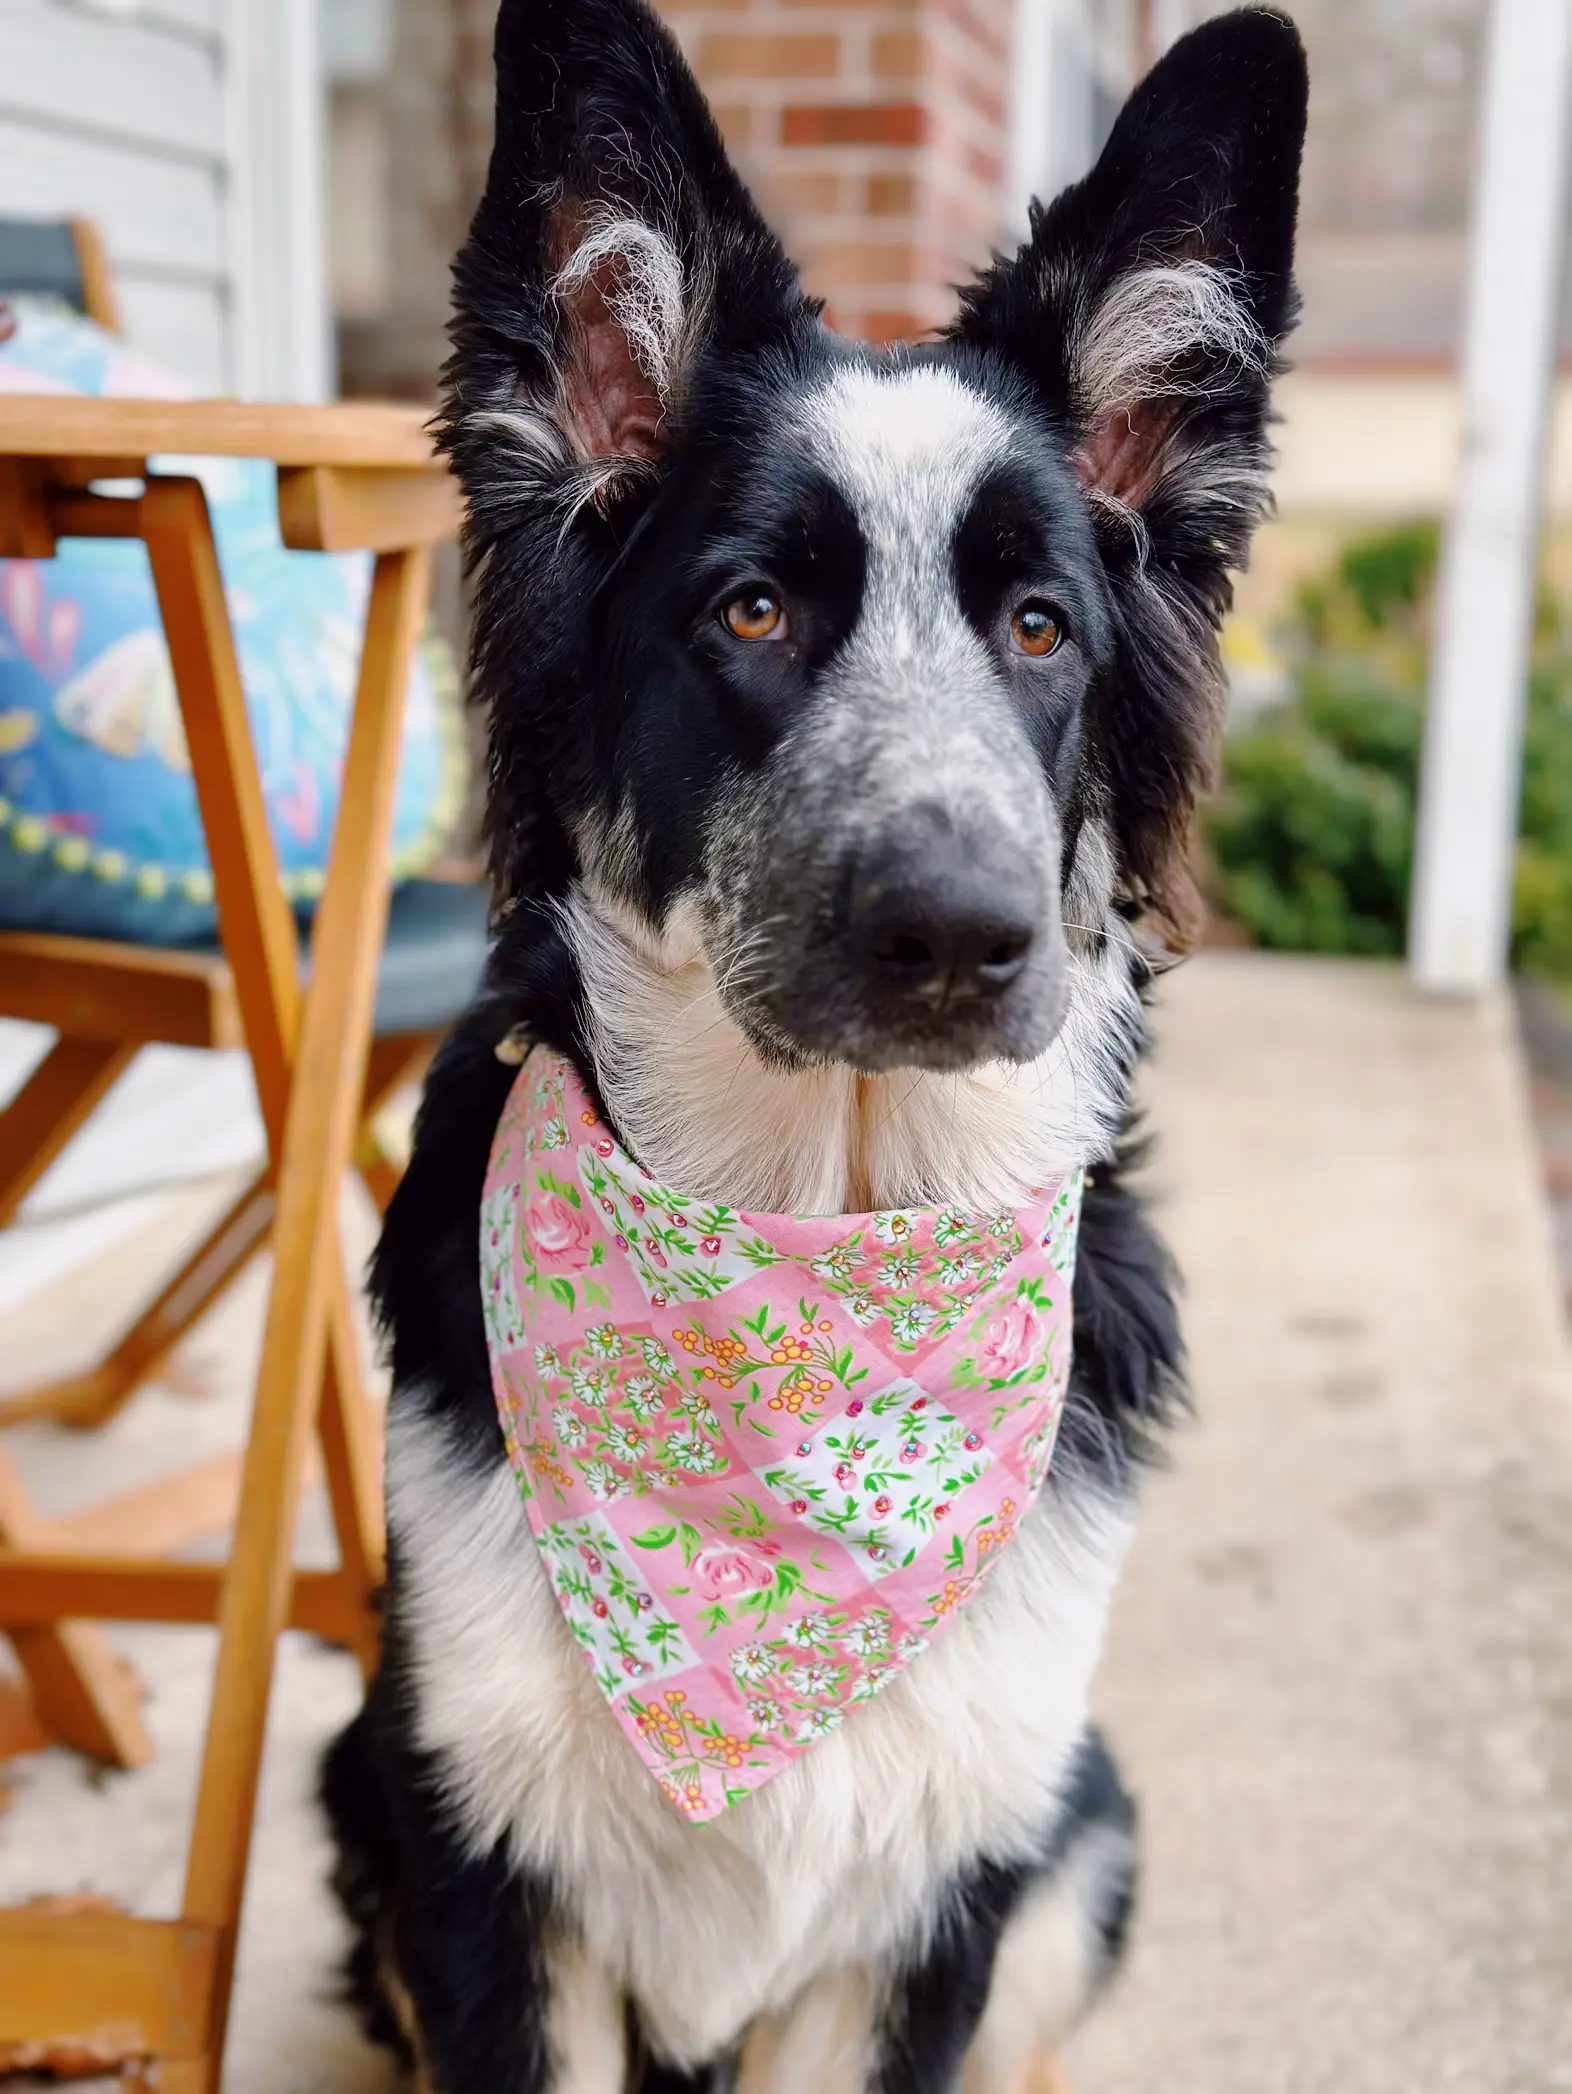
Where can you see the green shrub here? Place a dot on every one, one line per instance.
(1311, 838)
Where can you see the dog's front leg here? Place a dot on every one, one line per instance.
(825, 2040)
(498, 1995)
(850, 2033)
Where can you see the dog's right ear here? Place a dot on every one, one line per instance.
(615, 246)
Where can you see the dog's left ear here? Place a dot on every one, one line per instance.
(614, 248)
(1146, 312)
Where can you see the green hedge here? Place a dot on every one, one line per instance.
(1310, 839)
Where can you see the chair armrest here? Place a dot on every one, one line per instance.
(353, 475)
(345, 508)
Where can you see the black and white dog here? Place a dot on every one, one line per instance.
(847, 710)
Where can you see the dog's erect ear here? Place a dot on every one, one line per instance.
(1151, 296)
(613, 247)
(1146, 311)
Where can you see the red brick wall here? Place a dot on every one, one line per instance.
(872, 130)
(873, 134)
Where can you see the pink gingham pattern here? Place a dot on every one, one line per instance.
(766, 1458)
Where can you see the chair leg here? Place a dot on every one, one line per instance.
(62, 1091)
(314, 1134)
(92, 1398)
(82, 1693)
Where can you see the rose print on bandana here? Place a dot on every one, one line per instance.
(1012, 1348)
(730, 1570)
(1012, 1340)
(766, 1458)
(559, 1231)
(882, 1476)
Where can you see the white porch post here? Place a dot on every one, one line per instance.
(1029, 139)
(1461, 910)
(281, 333)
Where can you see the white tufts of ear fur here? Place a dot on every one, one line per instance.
(1161, 336)
(646, 293)
(630, 317)
(1152, 325)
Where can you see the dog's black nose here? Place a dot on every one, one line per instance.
(945, 924)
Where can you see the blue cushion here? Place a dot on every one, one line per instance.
(436, 945)
(100, 832)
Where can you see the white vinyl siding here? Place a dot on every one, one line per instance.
(118, 113)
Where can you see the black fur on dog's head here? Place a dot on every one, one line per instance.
(877, 672)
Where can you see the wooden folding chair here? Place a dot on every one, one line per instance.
(104, 1001)
(150, 1997)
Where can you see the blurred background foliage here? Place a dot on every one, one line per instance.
(1310, 839)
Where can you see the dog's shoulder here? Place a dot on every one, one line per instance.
(1127, 1385)
(425, 1274)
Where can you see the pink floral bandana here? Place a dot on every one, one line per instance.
(766, 1457)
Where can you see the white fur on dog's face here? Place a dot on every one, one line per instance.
(907, 448)
(911, 728)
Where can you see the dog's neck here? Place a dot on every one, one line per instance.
(703, 1110)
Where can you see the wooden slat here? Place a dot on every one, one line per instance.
(254, 921)
(25, 532)
(95, 989)
(21, 1727)
(59, 1095)
(307, 1310)
(81, 472)
(98, 289)
(352, 432)
(335, 509)
(165, 1516)
(103, 1983)
(85, 1694)
(41, 1585)
(156, 1520)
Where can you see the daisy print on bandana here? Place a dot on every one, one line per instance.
(767, 1458)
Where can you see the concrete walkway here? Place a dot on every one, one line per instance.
(1341, 1669)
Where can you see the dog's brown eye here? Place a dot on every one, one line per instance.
(755, 616)
(1035, 629)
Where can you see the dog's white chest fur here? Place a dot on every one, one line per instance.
(836, 1862)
